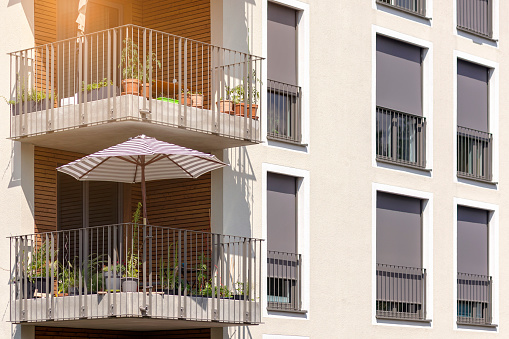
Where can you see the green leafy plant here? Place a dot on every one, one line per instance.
(238, 95)
(67, 278)
(131, 62)
(96, 85)
(38, 266)
(132, 262)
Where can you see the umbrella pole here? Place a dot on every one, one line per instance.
(144, 205)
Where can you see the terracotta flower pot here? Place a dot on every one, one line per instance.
(226, 106)
(239, 110)
(197, 100)
(131, 86)
(185, 99)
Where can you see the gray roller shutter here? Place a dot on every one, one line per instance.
(281, 213)
(472, 96)
(398, 76)
(398, 230)
(472, 241)
(282, 44)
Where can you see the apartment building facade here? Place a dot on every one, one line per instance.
(381, 215)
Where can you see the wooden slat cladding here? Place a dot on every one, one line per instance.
(180, 203)
(46, 161)
(45, 21)
(62, 332)
(190, 19)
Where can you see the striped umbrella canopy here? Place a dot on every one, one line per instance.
(141, 159)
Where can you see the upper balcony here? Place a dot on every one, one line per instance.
(82, 93)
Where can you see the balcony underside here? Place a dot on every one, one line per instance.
(96, 125)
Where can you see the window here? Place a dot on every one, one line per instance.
(417, 7)
(474, 290)
(474, 142)
(283, 260)
(400, 125)
(475, 16)
(284, 94)
(400, 276)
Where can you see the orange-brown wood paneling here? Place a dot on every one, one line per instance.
(61, 332)
(190, 19)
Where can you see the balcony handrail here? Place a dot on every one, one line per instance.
(284, 111)
(143, 270)
(400, 137)
(284, 271)
(401, 292)
(474, 298)
(474, 22)
(419, 11)
(474, 154)
(76, 38)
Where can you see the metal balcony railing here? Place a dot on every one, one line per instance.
(474, 299)
(135, 73)
(283, 281)
(400, 137)
(284, 118)
(417, 7)
(400, 292)
(474, 154)
(132, 270)
(475, 16)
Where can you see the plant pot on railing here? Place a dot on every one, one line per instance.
(239, 110)
(130, 284)
(31, 106)
(185, 99)
(111, 281)
(226, 106)
(34, 285)
(197, 100)
(131, 86)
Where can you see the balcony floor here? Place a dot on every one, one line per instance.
(198, 130)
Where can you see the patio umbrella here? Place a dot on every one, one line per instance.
(142, 159)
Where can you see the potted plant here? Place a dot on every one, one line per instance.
(185, 98)
(36, 269)
(68, 283)
(33, 99)
(130, 64)
(99, 90)
(197, 99)
(112, 276)
(239, 97)
(130, 279)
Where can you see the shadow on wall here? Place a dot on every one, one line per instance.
(238, 25)
(28, 9)
(239, 180)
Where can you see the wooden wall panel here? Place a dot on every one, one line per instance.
(46, 161)
(190, 19)
(61, 332)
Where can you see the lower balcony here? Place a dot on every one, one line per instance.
(400, 292)
(82, 94)
(132, 276)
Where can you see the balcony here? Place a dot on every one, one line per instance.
(400, 138)
(475, 17)
(80, 94)
(400, 292)
(284, 117)
(474, 154)
(474, 299)
(415, 7)
(131, 276)
(284, 282)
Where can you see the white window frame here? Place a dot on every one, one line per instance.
(493, 264)
(303, 191)
(395, 11)
(427, 251)
(427, 96)
(302, 71)
(479, 39)
(493, 115)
